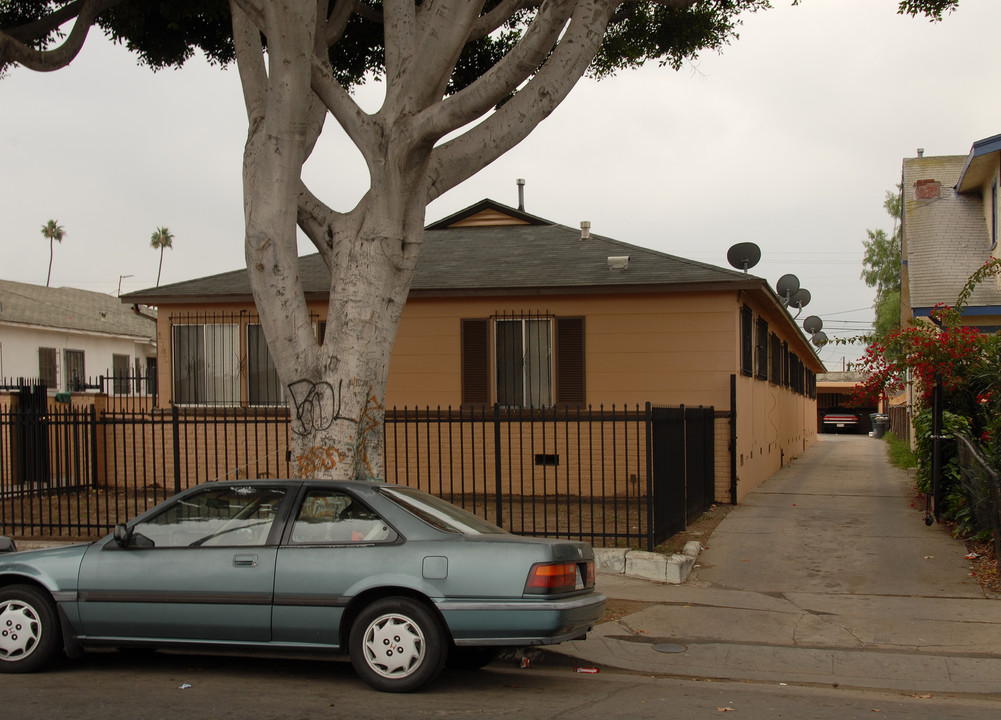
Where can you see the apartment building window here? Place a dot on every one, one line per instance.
(263, 385)
(120, 369)
(523, 350)
(785, 364)
(75, 375)
(746, 340)
(205, 364)
(775, 359)
(761, 349)
(47, 366)
(528, 361)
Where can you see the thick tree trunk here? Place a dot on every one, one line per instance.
(338, 403)
(337, 386)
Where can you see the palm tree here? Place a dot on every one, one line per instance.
(159, 240)
(54, 232)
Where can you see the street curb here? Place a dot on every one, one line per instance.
(673, 569)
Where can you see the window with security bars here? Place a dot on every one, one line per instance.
(120, 365)
(206, 360)
(523, 350)
(523, 361)
(47, 366)
(761, 350)
(746, 340)
(775, 359)
(75, 372)
(263, 385)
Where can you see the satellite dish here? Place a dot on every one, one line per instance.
(787, 285)
(800, 298)
(813, 324)
(819, 338)
(743, 255)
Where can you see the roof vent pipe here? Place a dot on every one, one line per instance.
(921, 152)
(521, 194)
(585, 229)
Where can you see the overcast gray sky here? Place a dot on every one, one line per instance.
(789, 139)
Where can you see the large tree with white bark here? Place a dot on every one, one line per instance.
(465, 81)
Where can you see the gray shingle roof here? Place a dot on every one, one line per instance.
(542, 256)
(71, 309)
(946, 237)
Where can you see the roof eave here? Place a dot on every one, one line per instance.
(978, 159)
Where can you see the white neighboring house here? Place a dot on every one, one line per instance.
(66, 338)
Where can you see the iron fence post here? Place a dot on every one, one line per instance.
(650, 530)
(175, 422)
(498, 479)
(93, 445)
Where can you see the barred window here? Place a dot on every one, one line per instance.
(524, 362)
(120, 371)
(761, 350)
(532, 362)
(263, 385)
(746, 341)
(75, 376)
(775, 359)
(206, 359)
(47, 366)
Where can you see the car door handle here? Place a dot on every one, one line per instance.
(244, 561)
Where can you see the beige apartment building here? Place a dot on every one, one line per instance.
(509, 309)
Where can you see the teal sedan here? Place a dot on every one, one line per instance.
(399, 580)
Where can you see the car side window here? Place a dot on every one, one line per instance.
(215, 517)
(331, 517)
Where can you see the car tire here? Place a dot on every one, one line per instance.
(29, 629)
(470, 658)
(397, 645)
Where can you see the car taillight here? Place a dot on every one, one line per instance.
(560, 577)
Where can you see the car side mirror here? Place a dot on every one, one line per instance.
(123, 533)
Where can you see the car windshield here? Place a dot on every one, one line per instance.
(440, 514)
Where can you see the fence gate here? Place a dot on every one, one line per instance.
(31, 436)
(683, 452)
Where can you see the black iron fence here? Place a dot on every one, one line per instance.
(982, 485)
(73, 469)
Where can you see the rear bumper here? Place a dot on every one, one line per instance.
(521, 622)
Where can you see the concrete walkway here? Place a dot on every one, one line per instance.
(827, 575)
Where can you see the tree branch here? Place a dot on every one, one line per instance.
(14, 47)
(502, 79)
(249, 57)
(462, 157)
(317, 220)
(364, 133)
(400, 21)
(493, 19)
(441, 32)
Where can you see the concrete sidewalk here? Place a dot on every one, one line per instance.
(826, 574)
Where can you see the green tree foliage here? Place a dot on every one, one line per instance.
(881, 267)
(164, 34)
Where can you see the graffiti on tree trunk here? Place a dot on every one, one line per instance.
(316, 406)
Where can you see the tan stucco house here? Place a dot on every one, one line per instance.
(509, 308)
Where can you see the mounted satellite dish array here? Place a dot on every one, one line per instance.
(746, 255)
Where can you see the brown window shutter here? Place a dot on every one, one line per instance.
(570, 361)
(475, 362)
